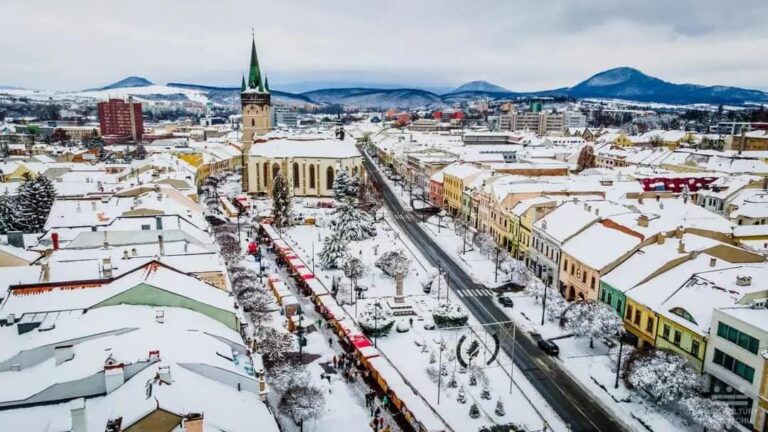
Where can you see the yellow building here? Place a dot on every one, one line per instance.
(454, 178)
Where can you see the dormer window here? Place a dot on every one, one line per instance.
(683, 314)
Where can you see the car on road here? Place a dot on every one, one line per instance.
(548, 347)
(506, 301)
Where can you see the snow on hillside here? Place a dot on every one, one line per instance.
(146, 93)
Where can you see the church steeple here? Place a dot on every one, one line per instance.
(242, 86)
(266, 83)
(254, 73)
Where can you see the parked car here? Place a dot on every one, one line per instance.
(549, 347)
(506, 301)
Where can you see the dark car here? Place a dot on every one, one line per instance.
(506, 301)
(549, 347)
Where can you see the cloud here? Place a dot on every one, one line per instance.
(521, 45)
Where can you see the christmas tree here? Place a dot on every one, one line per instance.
(462, 396)
(334, 251)
(499, 409)
(486, 393)
(281, 201)
(34, 200)
(452, 383)
(474, 411)
(473, 379)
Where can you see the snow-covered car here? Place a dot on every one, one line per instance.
(548, 347)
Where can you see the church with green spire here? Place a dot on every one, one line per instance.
(256, 101)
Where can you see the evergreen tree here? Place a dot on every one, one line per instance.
(7, 214)
(500, 409)
(462, 396)
(453, 383)
(281, 201)
(353, 224)
(473, 379)
(334, 251)
(486, 393)
(346, 187)
(474, 411)
(34, 201)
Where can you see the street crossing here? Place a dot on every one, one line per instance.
(474, 292)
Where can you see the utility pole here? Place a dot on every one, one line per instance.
(496, 271)
(512, 365)
(544, 304)
(618, 361)
(440, 369)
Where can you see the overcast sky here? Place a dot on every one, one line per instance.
(521, 45)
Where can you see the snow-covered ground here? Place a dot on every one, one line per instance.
(410, 352)
(594, 368)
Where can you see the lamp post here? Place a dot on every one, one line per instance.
(618, 360)
(300, 333)
(440, 217)
(496, 270)
(238, 227)
(544, 301)
(375, 323)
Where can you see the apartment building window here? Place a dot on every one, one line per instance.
(573, 269)
(592, 283)
(649, 325)
(610, 298)
(678, 338)
(665, 332)
(629, 312)
(742, 370)
(739, 338)
(638, 315)
(695, 348)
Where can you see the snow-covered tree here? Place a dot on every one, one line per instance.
(369, 198)
(288, 375)
(302, 403)
(499, 411)
(376, 320)
(352, 224)
(8, 214)
(281, 201)
(473, 379)
(448, 315)
(484, 243)
(591, 319)
(535, 288)
(556, 306)
(485, 393)
(334, 252)
(586, 158)
(353, 269)
(461, 397)
(228, 246)
(474, 411)
(346, 187)
(452, 382)
(33, 203)
(711, 414)
(273, 345)
(258, 305)
(394, 262)
(663, 375)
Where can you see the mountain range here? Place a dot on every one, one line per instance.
(622, 83)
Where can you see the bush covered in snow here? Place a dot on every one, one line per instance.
(394, 262)
(666, 377)
(592, 319)
(273, 345)
(334, 252)
(711, 414)
(288, 375)
(448, 315)
(376, 320)
(302, 403)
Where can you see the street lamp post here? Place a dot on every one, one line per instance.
(496, 270)
(238, 227)
(300, 332)
(618, 360)
(544, 301)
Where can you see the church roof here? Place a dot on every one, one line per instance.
(306, 148)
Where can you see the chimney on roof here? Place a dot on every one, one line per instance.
(114, 425)
(712, 262)
(681, 246)
(744, 280)
(63, 353)
(55, 240)
(126, 255)
(642, 221)
(45, 272)
(660, 238)
(164, 374)
(679, 232)
(106, 267)
(597, 211)
(114, 375)
(134, 252)
(544, 225)
(193, 422)
(77, 414)
(160, 244)
(93, 205)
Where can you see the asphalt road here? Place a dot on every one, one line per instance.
(573, 404)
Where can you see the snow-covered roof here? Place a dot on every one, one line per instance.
(319, 147)
(613, 244)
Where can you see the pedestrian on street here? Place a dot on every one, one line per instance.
(330, 340)
(367, 399)
(378, 411)
(410, 321)
(381, 422)
(385, 401)
(372, 405)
